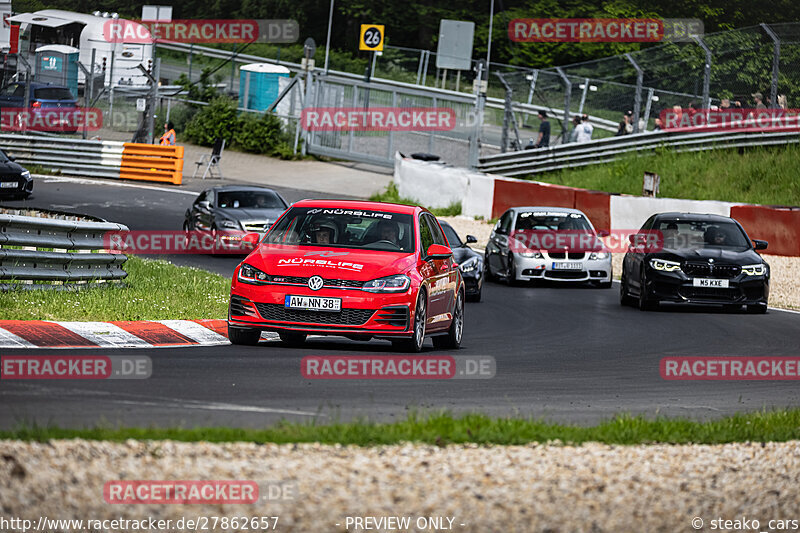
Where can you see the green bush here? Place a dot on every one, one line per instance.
(258, 133)
(217, 120)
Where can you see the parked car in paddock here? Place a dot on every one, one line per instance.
(701, 259)
(526, 245)
(469, 261)
(15, 180)
(352, 268)
(227, 212)
(41, 98)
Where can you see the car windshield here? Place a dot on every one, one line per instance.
(692, 234)
(551, 220)
(344, 228)
(452, 236)
(53, 93)
(249, 200)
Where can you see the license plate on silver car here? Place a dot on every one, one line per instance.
(313, 303)
(567, 265)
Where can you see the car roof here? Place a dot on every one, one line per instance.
(548, 208)
(254, 188)
(361, 204)
(700, 217)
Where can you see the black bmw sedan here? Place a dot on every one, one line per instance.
(15, 181)
(469, 261)
(694, 259)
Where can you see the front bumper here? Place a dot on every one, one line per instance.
(362, 314)
(678, 287)
(22, 185)
(530, 268)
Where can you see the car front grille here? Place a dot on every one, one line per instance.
(565, 255)
(346, 317)
(299, 280)
(257, 227)
(705, 293)
(566, 274)
(696, 269)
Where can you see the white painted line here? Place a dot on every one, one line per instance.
(105, 334)
(9, 340)
(109, 181)
(784, 310)
(195, 331)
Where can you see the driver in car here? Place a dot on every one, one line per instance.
(716, 236)
(324, 233)
(389, 232)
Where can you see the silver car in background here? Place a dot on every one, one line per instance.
(513, 253)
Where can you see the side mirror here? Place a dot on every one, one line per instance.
(760, 245)
(205, 204)
(603, 233)
(471, 239)
(438, 251)
(251, 239)
(11, 158)
(501, 231)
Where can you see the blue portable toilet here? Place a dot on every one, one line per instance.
(259, 85)
(57, 64)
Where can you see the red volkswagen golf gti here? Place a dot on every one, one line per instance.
(358, 269)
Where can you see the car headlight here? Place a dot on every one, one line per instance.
(470, 265)
(754, 270)
(252, 275)
(229, 224)
(664, 265)
(398, 283)
(26, 174)
(594, 256)
(531, 254)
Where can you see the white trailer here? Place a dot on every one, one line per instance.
(85, 32)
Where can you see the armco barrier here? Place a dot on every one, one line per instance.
(67, 257)
(103, 159)
(780, 226)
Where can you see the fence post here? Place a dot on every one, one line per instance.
(650, 92)
(637, 99)
(706, 73)
(776, 58)
(480, 102)
(583, 95)
(533, 76)
(419, 68)
(567, 96)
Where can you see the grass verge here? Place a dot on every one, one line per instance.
(155, 290)
(390, 194)
(443, 429)
(754, 175)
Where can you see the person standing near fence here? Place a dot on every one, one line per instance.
(576, 124)
(585, 130)
(544, 131)
(168, 139)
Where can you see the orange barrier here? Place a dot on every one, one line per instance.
(780, 226)
(151, 162)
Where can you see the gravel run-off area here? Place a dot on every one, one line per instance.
(785, 271)
(593, 487)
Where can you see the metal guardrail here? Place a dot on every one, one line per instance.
(67, 257)
(611, 149)
(70, 156)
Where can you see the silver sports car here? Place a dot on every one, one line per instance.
(547, 243)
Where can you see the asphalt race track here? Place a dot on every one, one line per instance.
(565, 354)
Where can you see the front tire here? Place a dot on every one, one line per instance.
(453, 338)
(243, 336)
(645, 303)
(487, 271)
(512, 272)
(414, 344)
